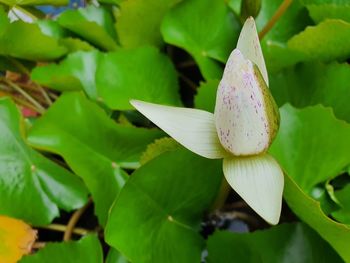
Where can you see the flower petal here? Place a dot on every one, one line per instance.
(259, 181)
(249, 44)
(194, 129)
(246, 115)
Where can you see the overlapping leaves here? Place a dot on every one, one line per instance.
(93, 145)
(166, 202)
(27, 177)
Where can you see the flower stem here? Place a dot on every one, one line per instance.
(63, 228)
(279, 12)
(74, 220)
(40, 108)
(223, 193)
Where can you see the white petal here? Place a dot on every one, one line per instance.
(246, 116)
(194, 129)
(259, 181)
(249, 44)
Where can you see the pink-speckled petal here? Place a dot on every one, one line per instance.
(259, 181)
(245, 114)
(194, 129)
(249, 44)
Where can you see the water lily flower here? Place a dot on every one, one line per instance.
(244, 123)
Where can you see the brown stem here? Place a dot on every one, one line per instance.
(224, 191)
(38, 245)
(74, 220)
(25, 94)
(279, 12)
(188, 81)
(63, 228)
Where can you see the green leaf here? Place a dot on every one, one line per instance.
(75, 72)
(158, 147)
(64, 37)
(283, 243)
(91, 23)
(143, 73)
(27, 178)
(309, 211)
(206, 95)
(306, 143)
(94, 146)
(326, 41)
(295, 19)
(115, 257)
(166, 201)
(206, 37)
(131, 32)
(86, 250)
(343, 196)
(322, 9)
(30, 43)
(34, 2)
(313, 83)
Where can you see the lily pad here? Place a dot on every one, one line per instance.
(91, 23)
(159, 222)
(27, 177)
(86, 250)
(94, 146)
(309, 211)
(38, 46)
(326, 41)
(16, 239)
(209, 34)
(322, 9)
(142, 73)
(206, 95)
(75, 72)
(313, 83)
(284, 243)
(311, 161)
(131, 32)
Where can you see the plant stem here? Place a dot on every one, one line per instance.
(224, 191)
(38, 245)
(63, 228)
(19, 65)
(279, 12)
(189, 82)
(19, 100)
(40, 108)
(74, 220)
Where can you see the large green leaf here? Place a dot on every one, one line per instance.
(206, 95)
(294, 20)
(326, 41)
(94, 24)
(32, 187)
(343, 197)
(205, 29)
(157, 214)
(131, 32)
(143, 73)
(306, 144)
(313, 83)
(309, 211)
(322, 9)
(75, 72)
(284, 243)
(34, 2)
(115, 257)
(64, 37)
(26, 41)
(94, 146)
(86, 250)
